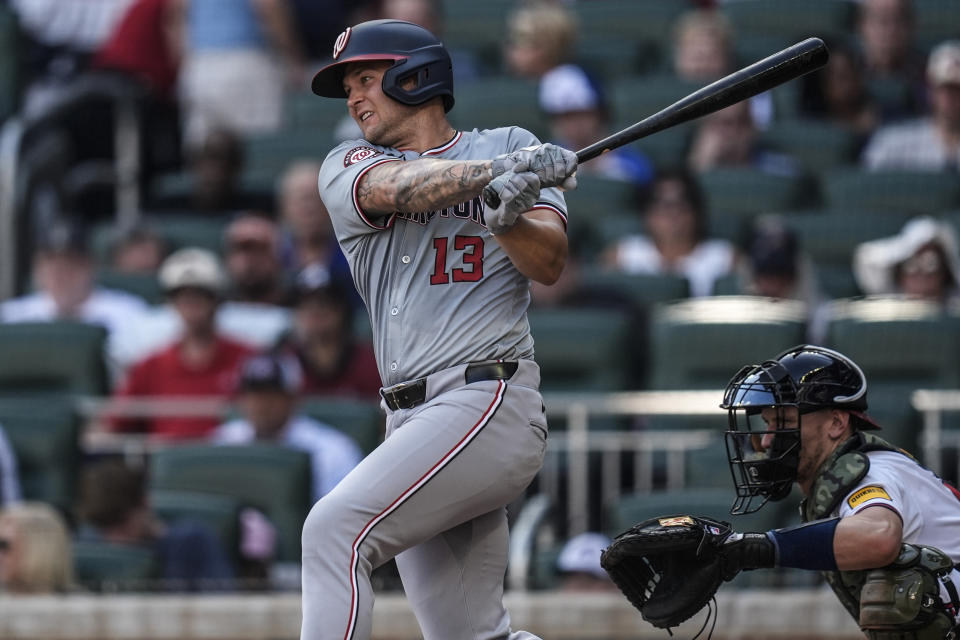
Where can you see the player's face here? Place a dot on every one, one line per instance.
(382, 119)
(814, 445)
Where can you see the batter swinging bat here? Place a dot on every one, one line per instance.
(772, 71)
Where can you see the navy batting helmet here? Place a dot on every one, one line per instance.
(414, 51)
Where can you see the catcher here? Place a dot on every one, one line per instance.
(882, 528)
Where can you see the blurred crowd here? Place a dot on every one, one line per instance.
(227, 282)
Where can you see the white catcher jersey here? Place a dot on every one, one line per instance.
(439, 289)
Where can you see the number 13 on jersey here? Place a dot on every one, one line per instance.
(471, 257)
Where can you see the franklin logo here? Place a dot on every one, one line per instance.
(359, 154)
(341, 43)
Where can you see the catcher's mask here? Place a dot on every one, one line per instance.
(763, 447)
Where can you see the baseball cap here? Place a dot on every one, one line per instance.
(63, 236)
(943, 66)
(773, 250)
(568, 88)
(192, 267)
(581, 554)
(270, 372)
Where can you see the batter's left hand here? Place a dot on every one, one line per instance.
(518, 192)
(554, 165)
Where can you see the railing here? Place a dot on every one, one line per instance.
(14, 177)
(932, 404)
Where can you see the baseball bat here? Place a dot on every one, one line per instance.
(783, 66)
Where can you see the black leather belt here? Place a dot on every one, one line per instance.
(408, 395)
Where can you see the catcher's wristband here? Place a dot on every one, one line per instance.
(806, 546)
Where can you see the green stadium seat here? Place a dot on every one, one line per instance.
(219, 513)
(667, 148)
(641, 289)
(274, 479)
(9, 62)
(636, 97)
(43, 358)
(817, 145)
(636, 20)
(582, 349)
(306, 111)
(44, 434)
(936, 21)
(794, 20)
(734, 196)
(479, 27)
(499, 101)
(905, 191)
(266, 156)
(144, 285)
(701, 342)
(362, 420)
(919, 341)
(108, 567)
(179, 230)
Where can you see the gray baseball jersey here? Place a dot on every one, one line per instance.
(439, 289)
(445, 303)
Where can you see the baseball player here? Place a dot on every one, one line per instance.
(445, 279)
(882, 527)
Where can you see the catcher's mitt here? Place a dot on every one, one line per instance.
(668, 567)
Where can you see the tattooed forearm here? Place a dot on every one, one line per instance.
(421, 185)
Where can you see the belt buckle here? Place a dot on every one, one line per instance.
(406, 395)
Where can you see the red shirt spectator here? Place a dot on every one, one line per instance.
(166, 374)
(201, 363)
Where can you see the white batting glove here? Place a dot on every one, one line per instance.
(518, 192)
(554, 165)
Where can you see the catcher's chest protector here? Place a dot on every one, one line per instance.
(838, 475)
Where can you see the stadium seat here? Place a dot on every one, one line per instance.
(219, 513)
(267, 155)
(905, 191)
(936, 21)
(306, 111)
(639, 288)
(701, 342)
(817, 145)
(794, 20)
(44, 358)
(108, 567)
(830, 237)
(144, 285)
(274, 479)
(478, 27)
(180, 230)
(44, 434)
(667, 148)
(498, 101)
(636, 20)
(636, 97)
(735, 195)
(920, 343)
(362, 420)
(582, 349)
(9, 48)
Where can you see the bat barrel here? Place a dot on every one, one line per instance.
(783, 66)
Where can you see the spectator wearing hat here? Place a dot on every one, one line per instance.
(579, 115)
(63, 275)
(322, 339)
(926, 144)
(922, 261)
(36, 556)
(578, 565)
(267, 395)
(200, 362)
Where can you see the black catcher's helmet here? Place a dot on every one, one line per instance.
(414, 51)
(807, 377)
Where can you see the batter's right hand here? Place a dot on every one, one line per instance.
(554, 165)
(517, 192)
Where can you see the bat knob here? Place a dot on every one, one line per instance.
(490, 197)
